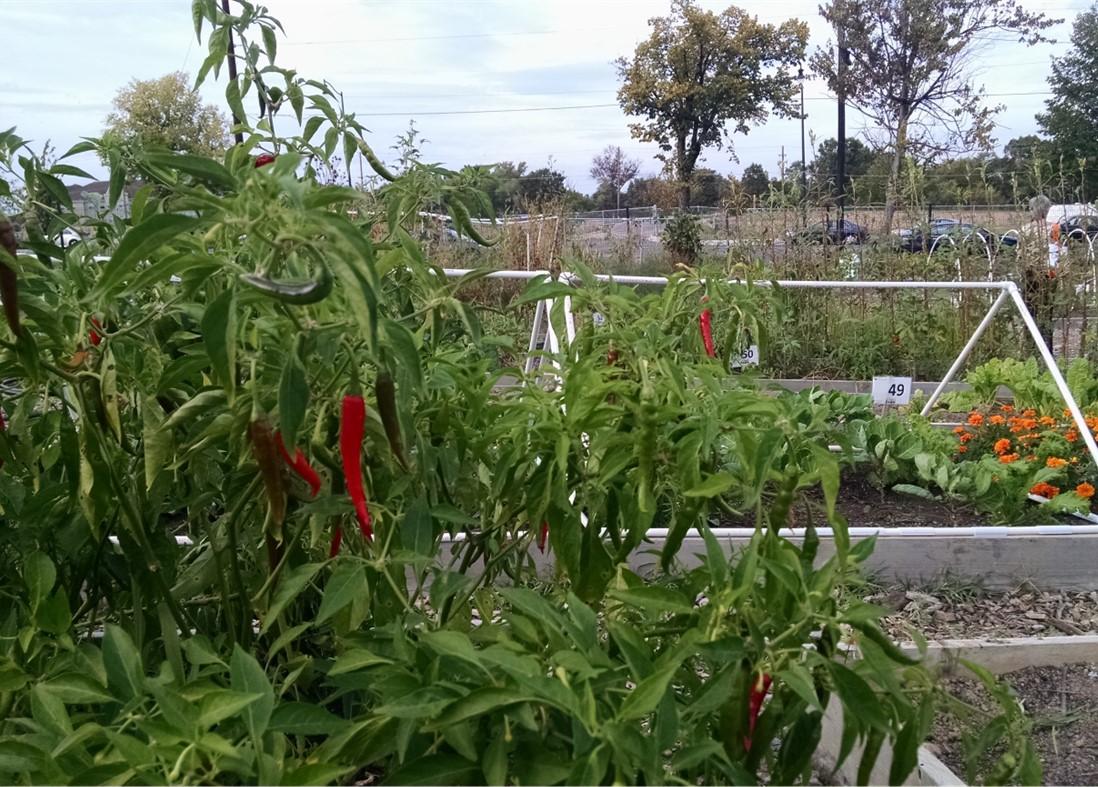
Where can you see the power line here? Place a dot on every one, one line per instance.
(502, 34)
(483, 111)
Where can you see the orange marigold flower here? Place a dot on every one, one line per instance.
(1017, 428)
(1091, 422)
(1047, 421)
(1085, 490)
(1071, 435)
(1002, 446)
(1055, 462)
(958, 430)
(1067, 413)
(1029, 423)
(1045, 490)
(976, 419)
(1006, 408)
(1006, 459)
(996, 420)
(962, 448)
(1029, 413)
(966, 437)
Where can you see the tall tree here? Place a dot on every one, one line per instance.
(698, 72)
(613, 169)
(1070, 119)
(755, 181)
(910, 70)
(168, 113)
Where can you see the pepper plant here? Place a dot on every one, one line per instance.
(270, 516)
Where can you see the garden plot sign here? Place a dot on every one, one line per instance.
(749, 356)
(891, 390)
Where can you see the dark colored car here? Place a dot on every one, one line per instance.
(830, 231)
(1075, 227)
(947, 233)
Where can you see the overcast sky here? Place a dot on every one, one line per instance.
(432, 59)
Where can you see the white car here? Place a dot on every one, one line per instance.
(68, 237)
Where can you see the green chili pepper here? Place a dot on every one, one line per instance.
(390, 418)
(374, 161)
(465, 224)
(299, 293)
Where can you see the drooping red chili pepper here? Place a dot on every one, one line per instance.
(754, 706)
(94, 335)
(351, 429)
(705, 325)
(263, 159)
(299, 464)
(337, 541)
(543, 536)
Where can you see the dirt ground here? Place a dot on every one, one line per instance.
(961, 610)
(1062, 703)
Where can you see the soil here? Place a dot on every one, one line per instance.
(1063, 705)
(863, 505)
(955, 610)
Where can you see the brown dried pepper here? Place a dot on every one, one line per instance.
(265, 451)
(9, 283)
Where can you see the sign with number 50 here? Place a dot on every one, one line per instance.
(749, 356)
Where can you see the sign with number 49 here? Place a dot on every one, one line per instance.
(749, 356)
(891, 390)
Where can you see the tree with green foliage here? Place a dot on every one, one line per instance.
(755, 181)
(1069, 119)
(701, 76)
(910, 71)
(166, 113)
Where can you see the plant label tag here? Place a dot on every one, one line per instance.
(598, 319)
(749, 356)
(891, 390)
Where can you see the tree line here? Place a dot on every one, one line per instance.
(702, 78)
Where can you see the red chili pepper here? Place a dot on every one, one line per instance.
(94, 335)
(754, 706)
(337, 541)
(705, 324)
(351, 429)
(543, 536)
(299, 464)
(263, 159)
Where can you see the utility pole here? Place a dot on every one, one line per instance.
(804, 159)
(239, 135)
(840, 175)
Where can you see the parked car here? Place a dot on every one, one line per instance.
(68, 237)
(944, 233)
(830, 231)
(1076, 227)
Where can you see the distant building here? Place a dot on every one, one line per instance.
(90, 199)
